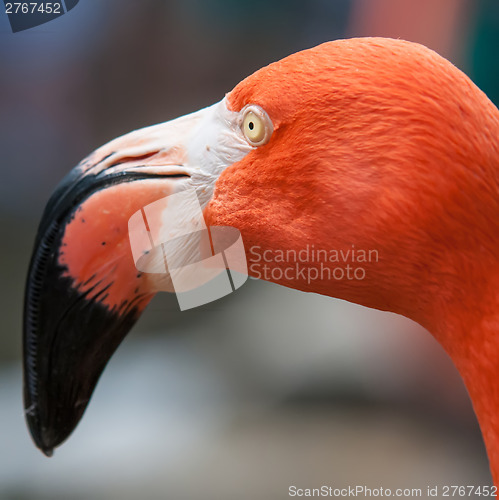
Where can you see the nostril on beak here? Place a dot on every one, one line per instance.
(124, 159)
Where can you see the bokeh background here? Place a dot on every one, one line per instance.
(270, 387)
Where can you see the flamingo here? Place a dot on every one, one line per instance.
(378, 143)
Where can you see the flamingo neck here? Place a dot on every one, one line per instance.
(469, 333)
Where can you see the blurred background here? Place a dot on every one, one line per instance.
(269, 387)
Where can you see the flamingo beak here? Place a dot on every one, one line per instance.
(83, 292)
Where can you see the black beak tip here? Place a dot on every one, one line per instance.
(48, 452)
(45, 439)
(43, 444)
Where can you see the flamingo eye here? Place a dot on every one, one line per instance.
(256, 126)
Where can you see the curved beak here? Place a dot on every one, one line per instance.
(83, 291)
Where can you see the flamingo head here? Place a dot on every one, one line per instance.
(369, 144)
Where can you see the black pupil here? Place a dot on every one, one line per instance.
(251, 126)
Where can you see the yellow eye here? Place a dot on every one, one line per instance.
(257, 126)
